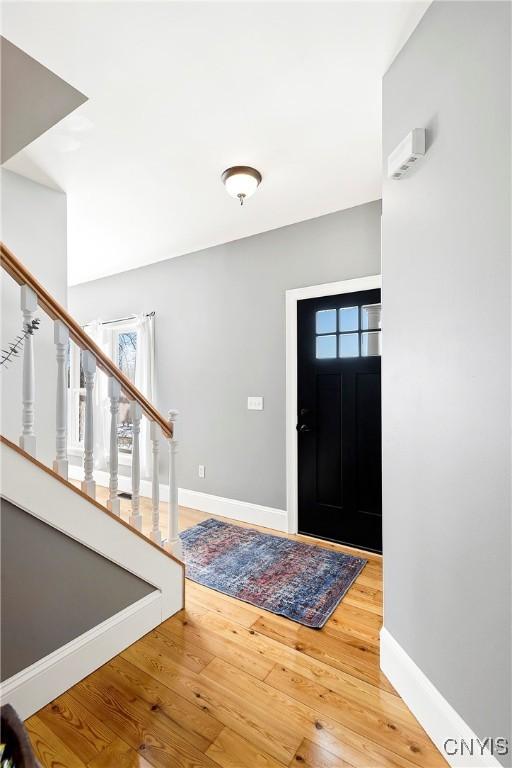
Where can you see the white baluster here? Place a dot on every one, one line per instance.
(114, 392)
(28, 305)
(173, 543)
(61, 339)
(155, 535)
(136, 517)
(89, 368)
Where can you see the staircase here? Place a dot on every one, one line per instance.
(46, 493)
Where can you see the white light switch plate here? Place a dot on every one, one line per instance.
(201, 471)
(254, 403)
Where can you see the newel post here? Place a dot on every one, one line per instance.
(28, 305)
(173, 544)
(61, 339)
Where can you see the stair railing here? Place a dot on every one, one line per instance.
(66, 330)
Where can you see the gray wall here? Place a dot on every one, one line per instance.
(220, 331)
(34, 227)
(446, 360)
(69, 588)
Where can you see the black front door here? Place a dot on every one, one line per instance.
(339, 418)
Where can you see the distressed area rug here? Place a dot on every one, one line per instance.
(303, 582)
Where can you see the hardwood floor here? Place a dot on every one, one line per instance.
(226, 684)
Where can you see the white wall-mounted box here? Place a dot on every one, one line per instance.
(408, 152)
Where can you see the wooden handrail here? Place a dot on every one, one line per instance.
(55, 311)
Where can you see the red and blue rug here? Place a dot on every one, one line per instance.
(303, 582)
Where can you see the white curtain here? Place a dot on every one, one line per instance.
(101, 412)
(145, 382)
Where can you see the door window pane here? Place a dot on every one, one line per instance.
(349, 345)
(370, 317)
(349, 319)
(325, 346)
(326, 321)
(370, 344)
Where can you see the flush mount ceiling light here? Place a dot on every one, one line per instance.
(241, 181)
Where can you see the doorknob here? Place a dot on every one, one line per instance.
(303, 428)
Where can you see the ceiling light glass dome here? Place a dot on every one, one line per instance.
(241, 181)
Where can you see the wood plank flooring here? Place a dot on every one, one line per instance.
(226, 684)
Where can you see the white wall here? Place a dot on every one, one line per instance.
(446, 360)
(33, 226)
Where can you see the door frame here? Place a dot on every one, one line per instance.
(293, 296)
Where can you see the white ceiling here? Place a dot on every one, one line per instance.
(178, 91)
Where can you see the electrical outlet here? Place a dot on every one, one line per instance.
(255, 403)
(201, 471)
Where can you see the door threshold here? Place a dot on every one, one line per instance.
(364, 550)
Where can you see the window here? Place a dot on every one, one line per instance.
(121, 344)
(125, 346)
(348, 332)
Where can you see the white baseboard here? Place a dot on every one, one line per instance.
(43, 681)
(245, 511)
(435, 714)
(124, 482)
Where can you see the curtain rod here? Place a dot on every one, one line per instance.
(122, 319)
